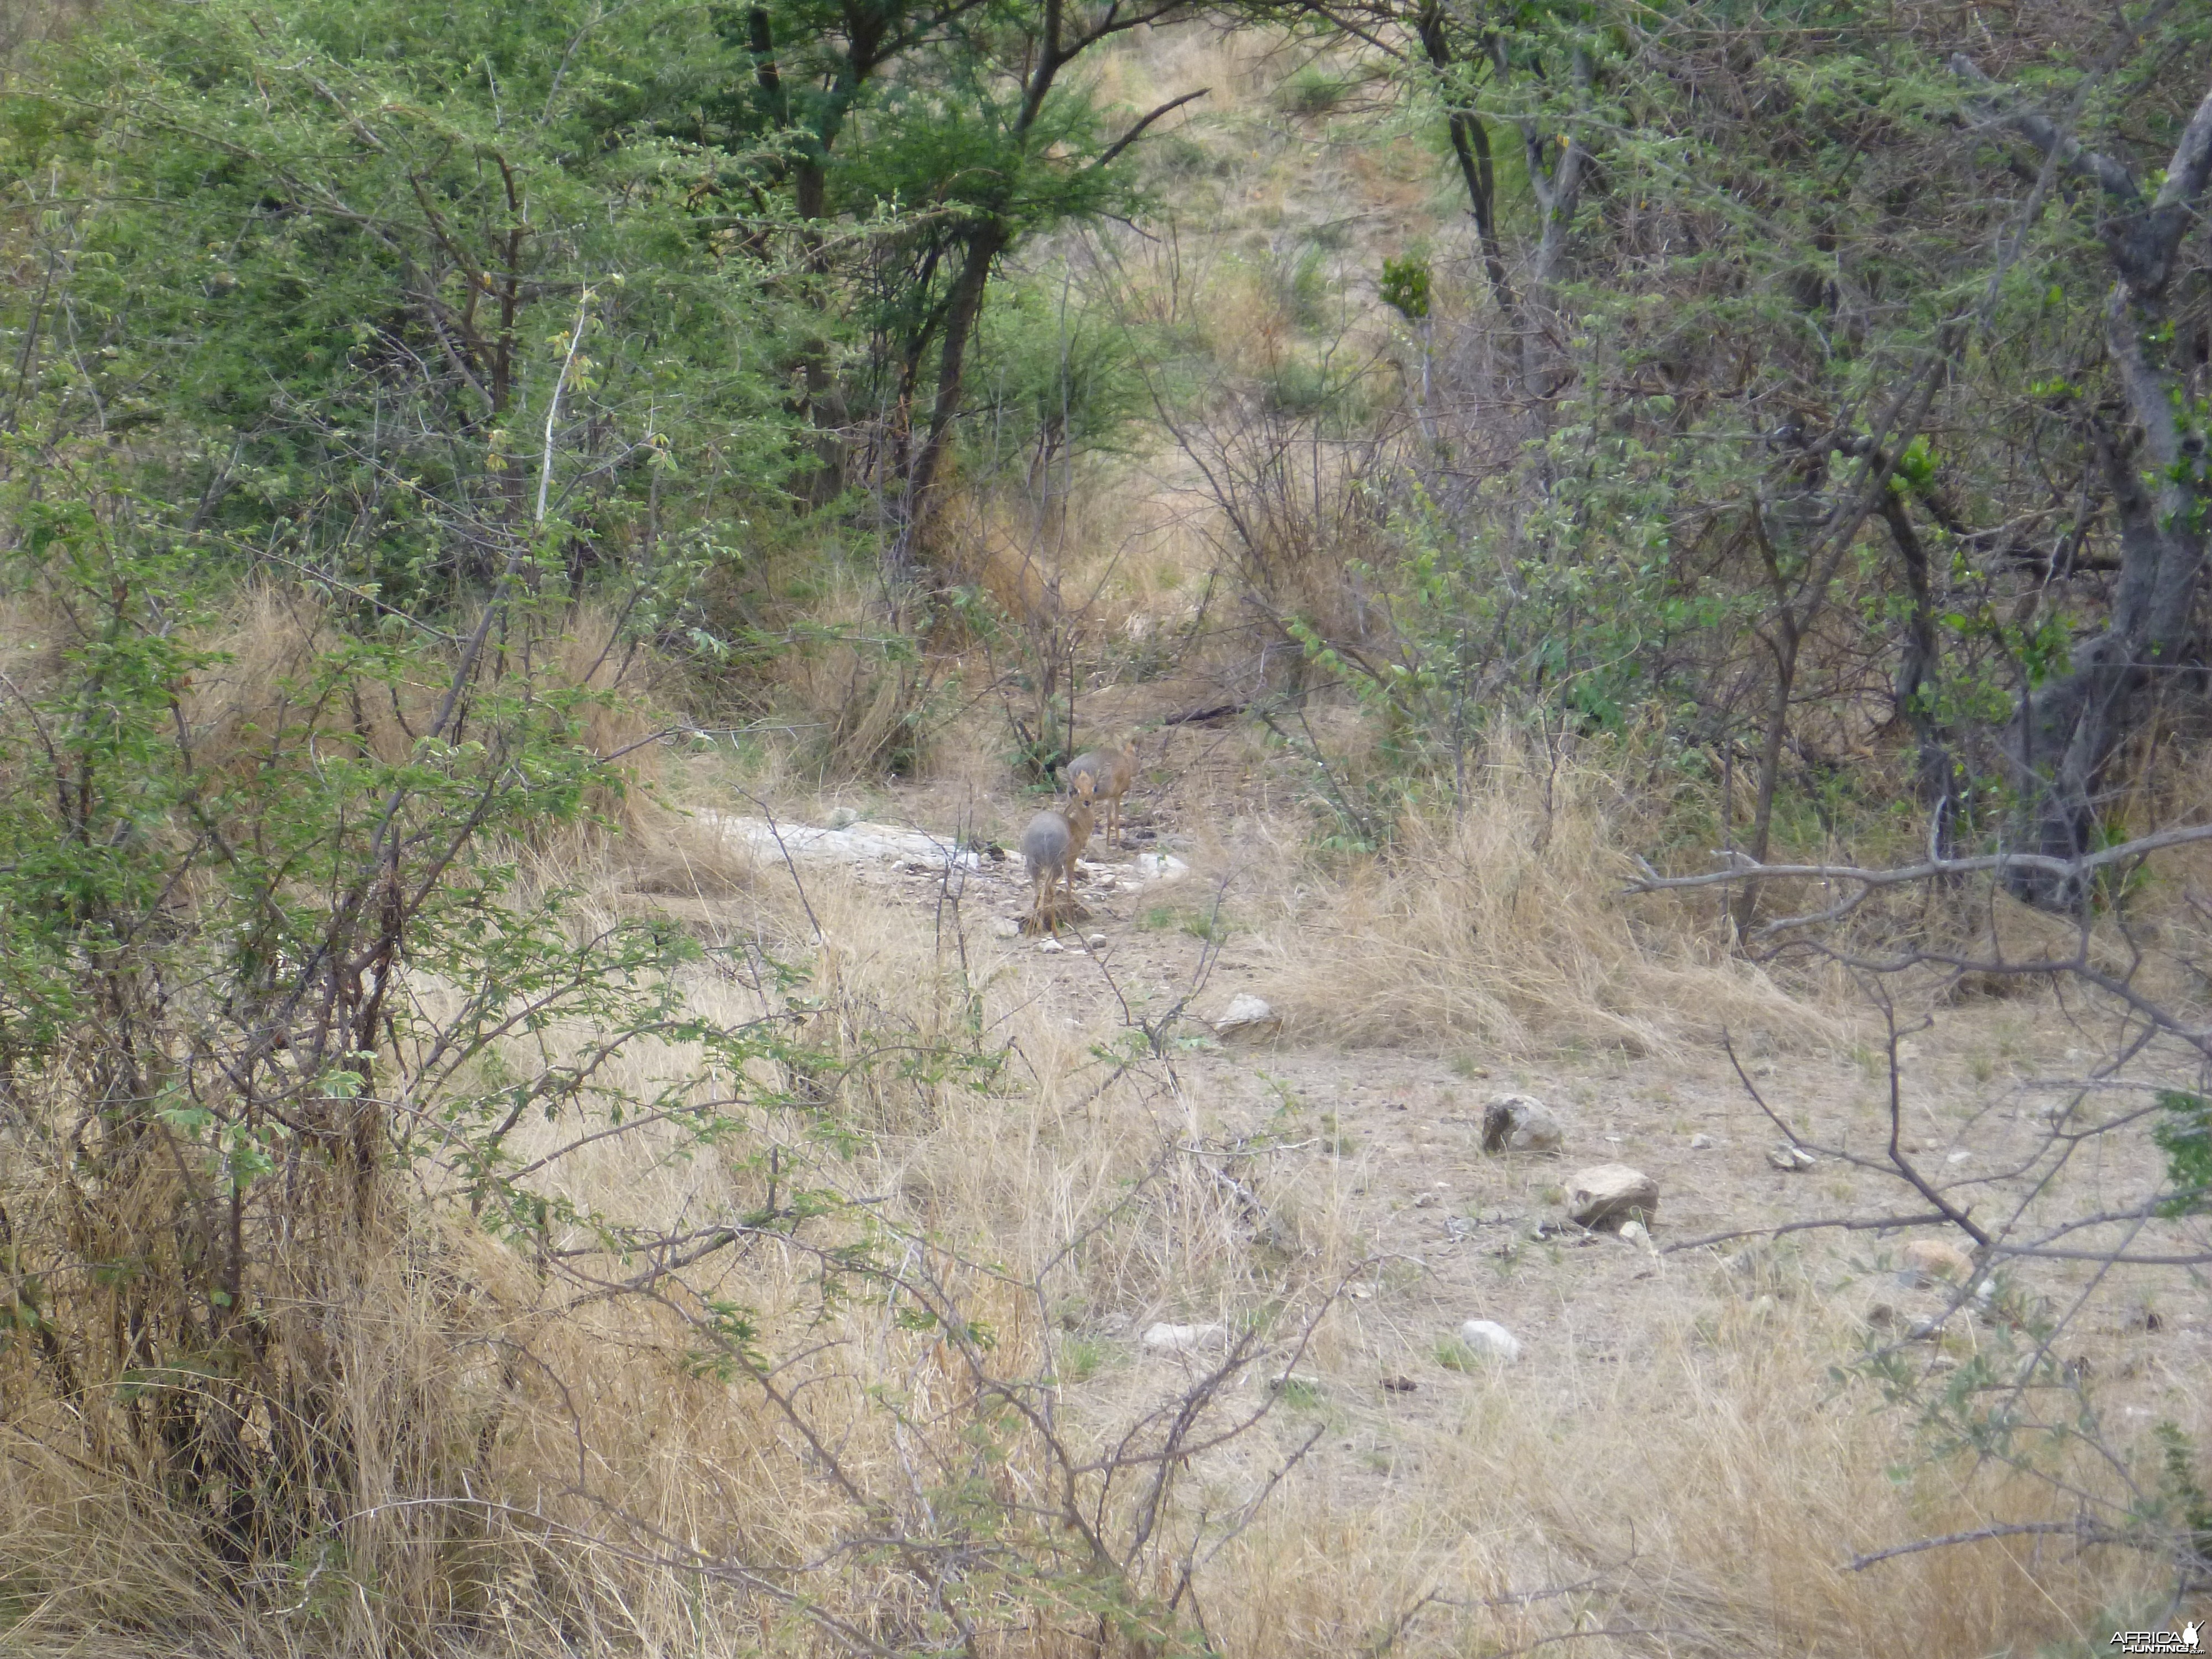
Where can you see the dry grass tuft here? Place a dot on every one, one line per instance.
(855, 692)
(272, 647)
(1507, 927)
(1707, 1499)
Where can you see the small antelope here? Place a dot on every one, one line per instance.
(1052, 843)
(1110, 772)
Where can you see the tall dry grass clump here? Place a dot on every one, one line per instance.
(851, 690)
(1715, 1495)
(1505, 924)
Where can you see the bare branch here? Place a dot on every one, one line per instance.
(1741, 868)
(2087, 1531)
(1137, 130)
(2039, 129)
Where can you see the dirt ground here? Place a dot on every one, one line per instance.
(1375, 1152)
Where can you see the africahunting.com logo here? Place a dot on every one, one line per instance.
(2188, 1639)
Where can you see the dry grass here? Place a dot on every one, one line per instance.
(1507, 928)
(1706, 1496)
(1697, 1491)
(549, 1466)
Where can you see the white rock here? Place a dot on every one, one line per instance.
(1636, 1233)
(1791, 1158)
(1520, 1123)
(1611, 1192)
(1164, 1338)
(850, 840)
(1959, 1156)
(1701, 1143)
(1050, 947)
(1490, 1340)
(1161, 866)
(1006, 928)
(1246, 1016)
(1097, 941)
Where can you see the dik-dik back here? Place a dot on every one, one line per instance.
(1053, 842)
(1046, 844)
(1054, 839)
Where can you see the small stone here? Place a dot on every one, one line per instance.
(1791, 1159)
(1939, 1258)
(1636, 1233)
(1426, 1201)
(1294, 1382)
(1246, 1016)
(1701, 1143)
(1490, 1340)
(1520, 1123)
(1400, 1384)
(1959, 1156)
(843, 817)
(1097, 941)
(1050, 947)
(1005, 927)
(1164, 1338)
(1610, 1194)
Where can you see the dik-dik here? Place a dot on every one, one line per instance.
(1052, 843)
(1110, 771)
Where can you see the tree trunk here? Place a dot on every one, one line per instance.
(2065, 732)
(1470, 142)
(962, 308)
(1557, 164)
(1919, 669)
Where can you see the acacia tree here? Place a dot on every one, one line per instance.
(1529, 67)
(957, 114)
(2160, 477)
(1833, 422)
(316, 287)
